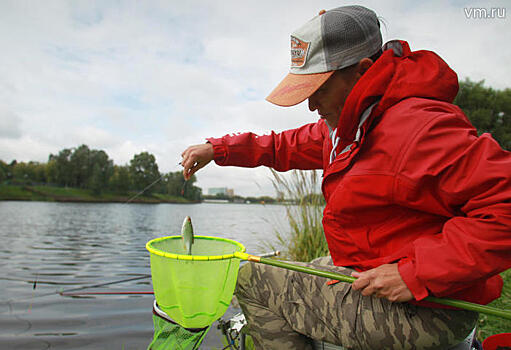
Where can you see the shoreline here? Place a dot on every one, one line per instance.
(75, 195)
(47, 193)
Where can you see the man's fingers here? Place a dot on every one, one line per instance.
(368, 290)
(187, 166)
(189, 171)
(191, 160)
(194, 169)
(382, 282)
(361, 282)
(188, 163)
(195, 158)
(367, 284)
(186, 152)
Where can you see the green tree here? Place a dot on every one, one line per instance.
(190, 191)
(29, 172)
(503, 129)
(144, 171)
(177, 186)
(489, 110)
(51, 171)
(4, 171)
(20, 172)
(95, 183)
(11, 166)
(39, 170)
(120, 181)
(81, 166)
(175, 183)
(101, 169)
(61, 174)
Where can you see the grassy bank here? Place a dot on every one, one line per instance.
(305, 239)
(67, 194)
(489, 325)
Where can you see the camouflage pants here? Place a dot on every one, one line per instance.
(285, 308)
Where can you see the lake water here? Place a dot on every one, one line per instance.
(64, 246)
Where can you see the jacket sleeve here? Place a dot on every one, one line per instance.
(299, 148)
(450, 171)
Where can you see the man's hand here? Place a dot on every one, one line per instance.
(382, 282)
(196, 157)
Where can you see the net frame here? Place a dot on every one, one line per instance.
(153, 250)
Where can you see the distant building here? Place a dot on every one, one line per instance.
(223, 191)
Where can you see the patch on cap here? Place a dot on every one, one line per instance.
(299, 50)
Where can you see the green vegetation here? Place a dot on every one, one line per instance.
(488, 109)
(489, 325)
(306, 239)
(70, 194)
(8, 192)
(82, 174)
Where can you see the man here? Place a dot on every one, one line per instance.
(416, 203)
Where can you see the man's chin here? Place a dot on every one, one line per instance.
(330, 124)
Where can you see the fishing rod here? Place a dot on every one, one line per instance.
(77, 294)
(63, 292)
(151, 185)
(145, 189)
(67, 291)
(461, 304)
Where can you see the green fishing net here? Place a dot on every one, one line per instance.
(169, 335)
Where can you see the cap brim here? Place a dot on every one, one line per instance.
(295, 88)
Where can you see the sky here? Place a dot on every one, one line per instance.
(158, 76)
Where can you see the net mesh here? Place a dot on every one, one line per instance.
(194, 293)
(169, 335)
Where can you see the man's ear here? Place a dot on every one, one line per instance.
(363, 65)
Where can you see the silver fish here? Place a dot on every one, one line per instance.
(187, 234)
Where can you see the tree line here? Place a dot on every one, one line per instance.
(488, 109)
(86, 168)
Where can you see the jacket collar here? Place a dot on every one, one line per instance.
(398, 74)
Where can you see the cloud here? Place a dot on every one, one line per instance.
(91, 135)
(25, 149)
(472, 47)
(9, 125)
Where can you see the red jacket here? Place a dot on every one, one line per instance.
(419, 187)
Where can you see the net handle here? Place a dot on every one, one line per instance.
(461, 304)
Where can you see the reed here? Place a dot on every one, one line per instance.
(304, 203)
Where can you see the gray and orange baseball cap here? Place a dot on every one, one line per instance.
(333, 40)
